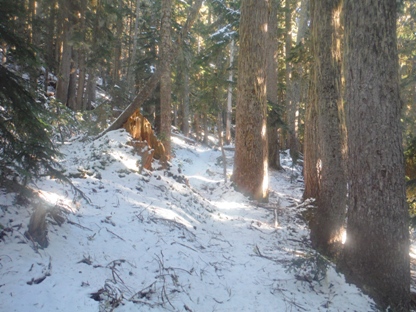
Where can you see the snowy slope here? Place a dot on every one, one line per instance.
(175, 240)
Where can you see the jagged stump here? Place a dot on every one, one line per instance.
(37, 230)
(143, 136)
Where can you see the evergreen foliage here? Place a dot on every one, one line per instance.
(25, 145)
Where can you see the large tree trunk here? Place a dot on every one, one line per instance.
(272, 91)
(165, 81)
(376, 252)
(327, 226)
(250, 163)
(310, 146)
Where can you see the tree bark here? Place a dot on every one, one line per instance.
(292, 142)
(229, 96)
(327, 225)
(130, 70)
(117, 48)
(376, 252)
(81, 57)
(65, 62)
(165, 80)
(72, 86)
(91, 90)
(186, 98)
(272, 91)
(81, 79)
(250, 163)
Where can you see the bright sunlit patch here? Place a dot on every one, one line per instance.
(204, 179)
(265, 178)
(55, 199)
(128, 160)
(412, 252)
(344, 236)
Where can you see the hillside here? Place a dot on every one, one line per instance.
(176, 240)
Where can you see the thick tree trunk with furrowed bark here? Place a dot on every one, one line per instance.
(376, 253)
(327, 225)
(250, 163)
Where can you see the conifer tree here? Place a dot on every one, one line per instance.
(26, 149)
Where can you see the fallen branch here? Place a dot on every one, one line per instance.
(184, 246)
(79, 225)
(115, 234)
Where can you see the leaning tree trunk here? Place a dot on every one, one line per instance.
(376, 252)
(250, 162)
(327, 225)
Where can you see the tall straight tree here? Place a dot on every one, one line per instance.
(376, 253)
(67, 24)
(250, 163)
(272, 91)
(328, 224)
(310, 146)
(292, 141)
(165, 80)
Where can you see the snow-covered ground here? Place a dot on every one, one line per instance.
(176, 240)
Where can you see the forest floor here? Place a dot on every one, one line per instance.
(177, 240)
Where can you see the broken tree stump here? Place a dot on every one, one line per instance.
(37, 231)
(141, 131)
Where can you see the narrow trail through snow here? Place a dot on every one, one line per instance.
(177, 240)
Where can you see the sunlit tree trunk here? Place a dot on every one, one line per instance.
(328, 222)
(250, 173)
(310, 146)
(376, 252)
